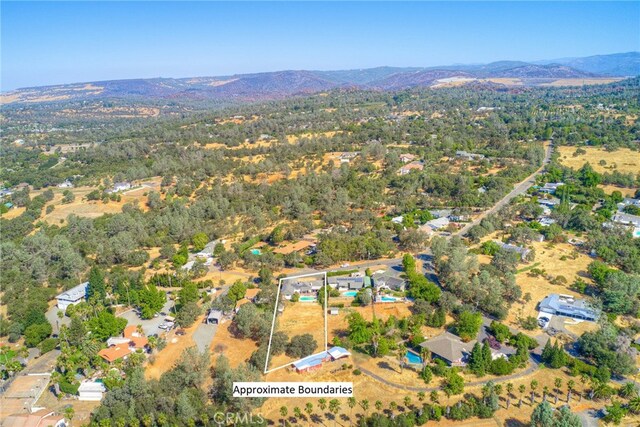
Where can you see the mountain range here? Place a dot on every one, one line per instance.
(280, 84)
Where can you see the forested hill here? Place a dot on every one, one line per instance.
(282, 84)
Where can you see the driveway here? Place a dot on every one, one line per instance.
(203, 336)
(55, 321)
(149, 326)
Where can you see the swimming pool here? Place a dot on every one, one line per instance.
(350, 293)
(636, 233)
(256, 251)
(413, 358)
(307, 299)
(388, 299)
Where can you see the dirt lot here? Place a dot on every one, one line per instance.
(622, 160)
(236, 350)
(165, 359)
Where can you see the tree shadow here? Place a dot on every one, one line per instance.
(512, 422)
(385, 365)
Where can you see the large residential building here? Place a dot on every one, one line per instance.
(386, 281)
(550, 187)
(449, 348)
(469, 156)
(121, 347)
(40, 418)
(315, 361)
(567, 305)
(514, 248)
(406, 169)
(72, 296)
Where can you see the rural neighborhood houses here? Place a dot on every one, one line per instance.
(406, 169)
(406, 158)
(524, 252)
(72, 296)
(567, 305)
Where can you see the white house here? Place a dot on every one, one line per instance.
(91, 391)
(120, 186)
(73, 296)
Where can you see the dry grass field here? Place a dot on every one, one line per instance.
(235, 349)
(561, 259)
(373, 390)
(626, 192)
(622, 160)
(165, 359)
(583, 82)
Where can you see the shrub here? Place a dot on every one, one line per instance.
(47, 345)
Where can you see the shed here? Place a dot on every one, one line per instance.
(214, 317)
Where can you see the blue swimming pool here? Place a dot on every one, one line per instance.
(350, 293)
(256, 251)
(388, 299)
(307, 299)
(413, 358)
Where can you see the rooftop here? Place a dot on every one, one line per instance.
(75, 293)
(448, 346)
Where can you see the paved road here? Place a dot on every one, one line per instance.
(518, 190)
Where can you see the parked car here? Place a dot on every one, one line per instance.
(542, 322)
(181, 332)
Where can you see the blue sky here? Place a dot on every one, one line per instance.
(57, 42)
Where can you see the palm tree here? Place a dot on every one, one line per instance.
(365, 406)
(308, 408)
(521, 388)
(545, 392)
(534, 386)
(297, 412)
(69, 412)
(425, 354)
(283, 413)
(628, 390)
(407, 401)
(433, 396)
(421, 396)
(322, 403)
(583, 379)
(393, 406)
(571, 384)
(378, 405)
(497, 389)
(334, 408)
(351, 402)
(634, 405)
(509, 394)
(401, 354)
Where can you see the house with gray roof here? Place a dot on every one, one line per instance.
(569, 306)
(72, 296)
(514, 248)
(386, 281)
(450, 348)
(550, 187)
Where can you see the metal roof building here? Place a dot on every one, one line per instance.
(567, 305)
